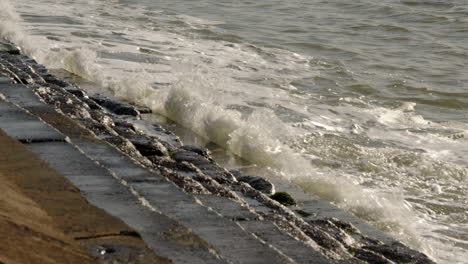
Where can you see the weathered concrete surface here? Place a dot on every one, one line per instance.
(25, 127)
(138, 177)
(44, 218)
(102, 189)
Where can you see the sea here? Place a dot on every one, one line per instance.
(363, 103)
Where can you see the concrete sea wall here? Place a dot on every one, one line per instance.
(175, 197)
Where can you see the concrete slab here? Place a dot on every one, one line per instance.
(42, 216)
(19, 94)
(295, 249)
(218, 231)
(226, 207)
(169, 237)
(20, 125)
(266, 230)
(5, 80)
(111, 158)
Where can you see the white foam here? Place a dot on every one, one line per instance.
(10, 30)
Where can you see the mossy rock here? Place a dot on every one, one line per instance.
(283, 198)
(353, 251)
(303, 213)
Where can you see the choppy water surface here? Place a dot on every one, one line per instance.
(361, 102)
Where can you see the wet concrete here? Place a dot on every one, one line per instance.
(104, 190)
(25, 127)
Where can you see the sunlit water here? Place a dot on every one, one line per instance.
(364, 103)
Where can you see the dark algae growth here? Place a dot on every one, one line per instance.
(283, 198)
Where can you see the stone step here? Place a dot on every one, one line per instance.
(25, 127)
(266, 230)
(166, 236)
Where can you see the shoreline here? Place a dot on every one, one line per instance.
(178, 184)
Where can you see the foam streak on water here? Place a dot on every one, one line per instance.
(363, 103)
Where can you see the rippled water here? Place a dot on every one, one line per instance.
(364, 103)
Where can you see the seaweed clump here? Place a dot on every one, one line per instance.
(283, 198)
(303, 213)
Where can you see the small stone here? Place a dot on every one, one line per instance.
(369, 257)
(399, 253)
(208, 167)
(345, 226)
(258, 183)
(329, 226)
(116, 107)
(125, 127)
(144, 110)
(199, 150)
(78, 93)
(303, 213)
(150, 148)
(14, 51)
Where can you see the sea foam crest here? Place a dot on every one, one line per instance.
(10, 29)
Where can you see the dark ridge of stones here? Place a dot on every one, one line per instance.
(128, 148)
(23, 70)
(102, 118)
(217, 188)
(100, 130)
(168, 163)
(149, 148)
(325, 240)
(259, 183)
(92, 104)
(399, 253)
(334, 231)
(9, 70)
(289, 222)
(49, 78)
(146, 145)
(283, 198)
(345, 226)
(370, 257)
(75, 111)
(206, 166)
(14, 51)
(199, 150)
(144, 109)
(187, 184)
(115, 107)
(77, 92)
(168, 139)
(192, 173)
(124, 126)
